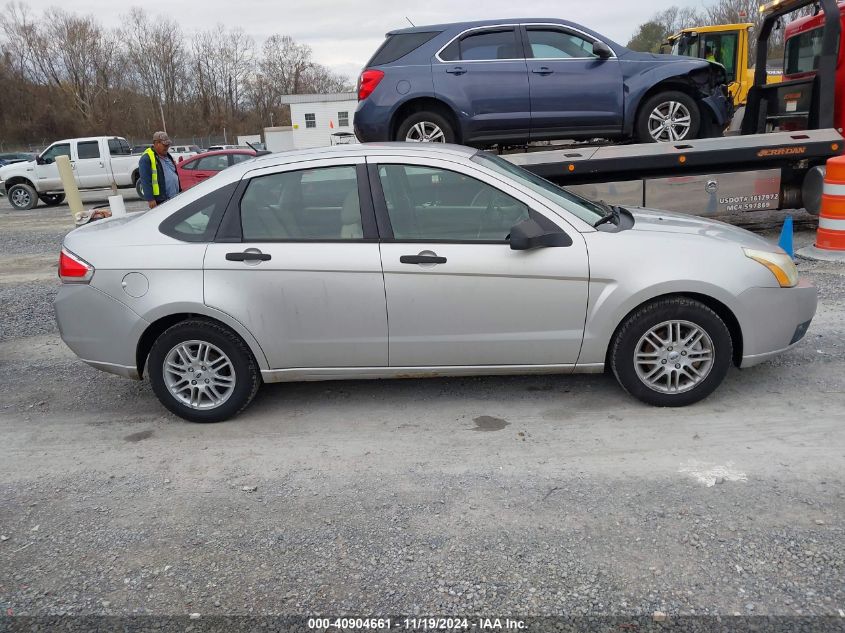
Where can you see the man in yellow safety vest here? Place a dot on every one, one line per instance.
(157, 171)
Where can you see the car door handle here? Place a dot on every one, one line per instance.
(542, 70)
(248, 256)
(457, 70)
(422, 259)
(201, 176)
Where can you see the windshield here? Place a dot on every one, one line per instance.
(576, 205)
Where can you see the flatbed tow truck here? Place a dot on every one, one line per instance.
(764, 168)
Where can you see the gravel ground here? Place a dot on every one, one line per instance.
(507, 496)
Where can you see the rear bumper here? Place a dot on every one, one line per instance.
(371, 122)
(100, 330)
(774, 320)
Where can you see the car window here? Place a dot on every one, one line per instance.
(88, 149)
(119, 147)
(190, 165)
(429, 203)
(198, 221)
(310, 204)
(218, 162)
(557, 44)
(803, 52)
(500, 44)
(239, 158)
(398, 45)
(50, 154)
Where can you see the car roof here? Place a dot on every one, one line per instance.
(365, 149)
(479, 23)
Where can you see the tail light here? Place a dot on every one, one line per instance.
(367, 82)
(73, 269)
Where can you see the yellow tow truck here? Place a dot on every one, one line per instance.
(723, 43)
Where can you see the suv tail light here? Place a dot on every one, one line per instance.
(73, 269)
(367, 82)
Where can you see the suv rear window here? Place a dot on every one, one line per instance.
(397, 46)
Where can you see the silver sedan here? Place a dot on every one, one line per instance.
(395, 260)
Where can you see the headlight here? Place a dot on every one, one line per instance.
(781, 265)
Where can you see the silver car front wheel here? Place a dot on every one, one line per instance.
(674, 356)
(671, 352)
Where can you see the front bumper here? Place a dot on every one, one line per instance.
(774, 319)
(721, 106)
(99, 329)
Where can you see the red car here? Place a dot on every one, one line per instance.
(194, 170)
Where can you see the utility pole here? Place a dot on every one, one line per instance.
(163, 124)
(271, 118)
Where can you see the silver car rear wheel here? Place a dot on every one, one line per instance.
(203, 371)
(199, 374)
(674, 356)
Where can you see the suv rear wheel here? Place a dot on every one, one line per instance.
(668, 117)
(426, 127)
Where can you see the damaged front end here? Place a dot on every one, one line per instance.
(711, 82)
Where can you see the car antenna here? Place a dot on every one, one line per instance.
(409, 22)
(258, 152)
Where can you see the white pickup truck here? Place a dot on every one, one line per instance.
(98, 163)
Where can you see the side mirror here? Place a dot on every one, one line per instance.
(40, 161)
(530, 234)
(602, 50)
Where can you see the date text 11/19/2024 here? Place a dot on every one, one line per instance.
(417, 624)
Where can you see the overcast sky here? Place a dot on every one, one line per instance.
(343, 34)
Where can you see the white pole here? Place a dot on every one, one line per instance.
(69, 183)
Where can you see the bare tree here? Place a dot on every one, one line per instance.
(157, 59)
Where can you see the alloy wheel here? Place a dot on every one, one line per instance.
(674, 356)
(198, 374)
(425, 132)
(670, 121)
(20, 198)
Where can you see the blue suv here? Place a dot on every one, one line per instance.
(515, 81)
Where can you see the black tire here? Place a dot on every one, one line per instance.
(634, 328)
(430, 118)
(52, 199)
(641, 127)
(246, 372)
(138, 188)
(22, 196)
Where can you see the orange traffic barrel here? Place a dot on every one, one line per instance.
(831, 233)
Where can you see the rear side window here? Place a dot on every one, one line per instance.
(397, 46)
(312, 204)
(88, 149)
(239, 158)
(119, 147)
(198, 221)
(218, 162)
(501, 44)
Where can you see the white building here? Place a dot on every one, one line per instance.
(320, 120)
